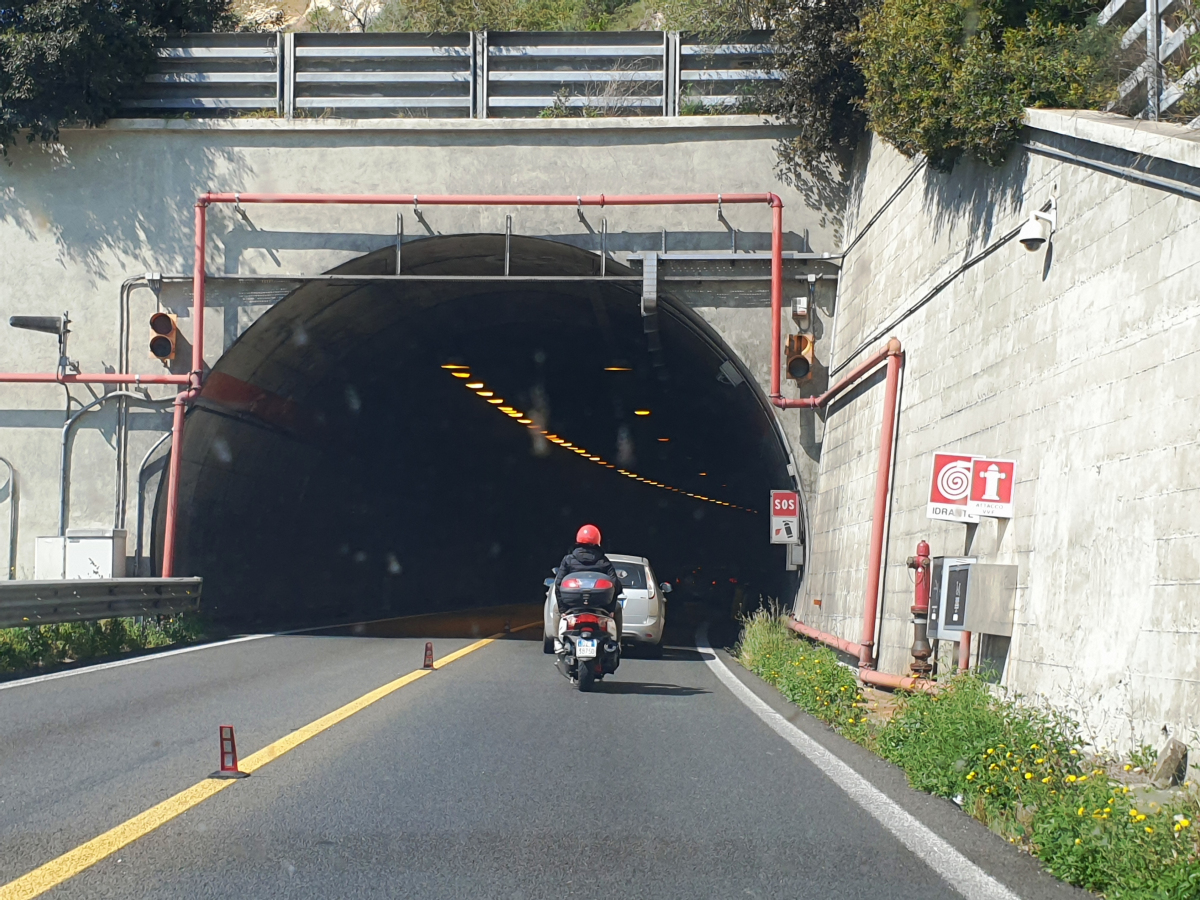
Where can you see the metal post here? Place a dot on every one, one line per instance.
(603, 243)
(1153, 63)
(666, 73)
(287, 49)
(507, 244)
(649, 284)
(13, 518)
(473, 72)
(399, 239)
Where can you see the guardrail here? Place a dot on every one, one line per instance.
(465, 75)
(1169, 70)
(89, 599)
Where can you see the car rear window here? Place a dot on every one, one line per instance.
(632, 575)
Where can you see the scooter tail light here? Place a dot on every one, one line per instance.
(602, 584)
(572, 584)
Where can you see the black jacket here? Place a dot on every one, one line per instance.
(585, 558)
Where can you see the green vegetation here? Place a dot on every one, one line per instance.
(451, 15)
(947, 77)
(40, 646)
(1020, 769)
(938, 77)
(69, 61)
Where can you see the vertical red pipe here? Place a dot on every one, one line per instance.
(964, 652)
(182, 399)
(776, 292)
(198, 296)
(168, 557)
(878, 516)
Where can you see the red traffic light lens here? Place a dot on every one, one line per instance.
(798, 367)
(160, 323)
(161, 347)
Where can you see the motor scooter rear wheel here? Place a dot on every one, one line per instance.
(587, 676)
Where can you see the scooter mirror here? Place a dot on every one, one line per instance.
(555, 570)
(665, 587)
(549, 582)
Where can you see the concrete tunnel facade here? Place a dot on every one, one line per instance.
(333, 468)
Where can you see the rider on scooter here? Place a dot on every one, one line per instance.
(588, 557)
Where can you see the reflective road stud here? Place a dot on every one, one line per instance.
(428, 655)
(229, 758)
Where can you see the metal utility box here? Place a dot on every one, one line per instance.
(965, 595)
(83, 553)
(991, 599)
(946, 606)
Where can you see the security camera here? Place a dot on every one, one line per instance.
(1039, 227)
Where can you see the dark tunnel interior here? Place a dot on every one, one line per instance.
(342, 464)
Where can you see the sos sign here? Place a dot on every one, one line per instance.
(785, 517)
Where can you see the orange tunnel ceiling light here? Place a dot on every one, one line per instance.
(459, 371)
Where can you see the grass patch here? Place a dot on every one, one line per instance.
(1020, 769)
(43, 646)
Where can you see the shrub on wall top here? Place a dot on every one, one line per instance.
(947, 77)
(72, 61)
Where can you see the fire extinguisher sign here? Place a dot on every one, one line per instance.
(992, 487)
(785, 517)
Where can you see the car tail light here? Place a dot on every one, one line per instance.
(572, 584)
(602, 584)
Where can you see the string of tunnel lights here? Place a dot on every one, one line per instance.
(480, 389)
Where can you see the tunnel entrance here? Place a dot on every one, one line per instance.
(344, 460)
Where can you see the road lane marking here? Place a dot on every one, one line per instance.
(86, 855)
(962, 874)
(116, 664)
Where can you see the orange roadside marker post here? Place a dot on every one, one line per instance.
(229, 757)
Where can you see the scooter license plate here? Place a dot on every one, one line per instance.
(585, 649)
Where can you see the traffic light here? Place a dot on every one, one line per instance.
(163, 335)
(799, 357)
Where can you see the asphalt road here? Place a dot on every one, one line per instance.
(489, 778)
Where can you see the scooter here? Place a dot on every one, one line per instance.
(588, 646)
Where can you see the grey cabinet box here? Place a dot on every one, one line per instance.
(965, 595)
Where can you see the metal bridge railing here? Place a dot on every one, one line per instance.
(211, 73)
(379, 75)
(465, 75)
(1168, 71)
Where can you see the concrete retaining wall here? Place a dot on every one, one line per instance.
(1082, 363)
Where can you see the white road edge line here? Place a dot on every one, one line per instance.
(962, 874)
(116, 664)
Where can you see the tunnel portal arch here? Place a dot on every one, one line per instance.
(332, 467)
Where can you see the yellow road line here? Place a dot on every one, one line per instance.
(71, 863)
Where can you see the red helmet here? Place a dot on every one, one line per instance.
(588, 534)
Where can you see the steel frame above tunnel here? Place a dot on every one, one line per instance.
(598, 200)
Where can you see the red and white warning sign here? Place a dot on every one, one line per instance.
(992, 487)
(950, 487)
(785, 517)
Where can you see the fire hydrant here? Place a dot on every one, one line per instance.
(921, 651)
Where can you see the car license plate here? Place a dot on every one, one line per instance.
(585, 649)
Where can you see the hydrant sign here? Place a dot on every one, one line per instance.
(964, 487)
(992, 487)
(785, 517)
(949, 488)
